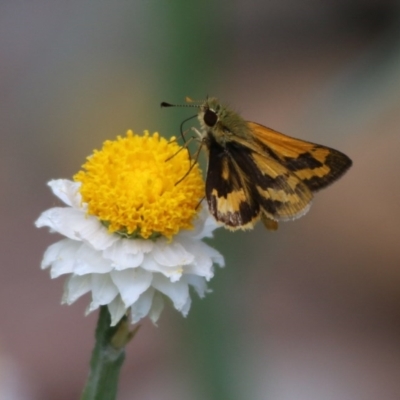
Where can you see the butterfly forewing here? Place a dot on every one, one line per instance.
(317, 166)
(229, 194)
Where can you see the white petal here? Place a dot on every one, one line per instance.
(90, 261)
(198, 283)
(67, 191)
(103, 290)
(65, 262)
(156, 307)
(142, 307)
(76, 225)
(186, 307)
(171, 254)
(63, 250)
(64, 220)
(149, 264)
(141, 246)
(91, 307)
(117, 310)
(131, 283)
(204, 258)
(209, 226)
(50, 218)
(215, 255)
(124, 253)
(202, 249)
(198, 224)
(204, 225)
(75, 287)
(95, 234)
(173, 273)
(178, 292)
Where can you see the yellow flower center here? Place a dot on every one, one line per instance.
(130, 185)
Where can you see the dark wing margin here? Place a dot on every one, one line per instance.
(318, 174)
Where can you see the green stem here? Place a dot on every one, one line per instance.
(107, 357)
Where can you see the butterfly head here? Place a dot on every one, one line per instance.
(217, 120)
(210, 113)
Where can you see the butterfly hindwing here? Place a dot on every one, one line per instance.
(281, 193)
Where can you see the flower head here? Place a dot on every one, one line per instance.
(133, 237)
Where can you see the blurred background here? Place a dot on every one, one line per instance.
(309, 312)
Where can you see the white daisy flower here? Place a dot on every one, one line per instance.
(132, 236)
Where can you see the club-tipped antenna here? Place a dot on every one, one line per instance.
(187, 99)
(165, 104)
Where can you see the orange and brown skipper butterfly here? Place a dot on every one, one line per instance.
(257, 173)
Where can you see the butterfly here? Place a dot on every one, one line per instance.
(255, 173)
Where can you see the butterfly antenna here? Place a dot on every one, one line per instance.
(165, 104)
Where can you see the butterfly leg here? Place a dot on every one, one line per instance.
(196, 158)
(269, 223)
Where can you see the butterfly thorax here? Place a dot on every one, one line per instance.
(222, 123)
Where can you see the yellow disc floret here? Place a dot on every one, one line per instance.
(131, 186)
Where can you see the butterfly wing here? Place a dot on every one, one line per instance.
(242, 185)
(281, 194)
(229, 195)
(315, 165)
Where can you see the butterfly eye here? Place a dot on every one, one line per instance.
(210, 118)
